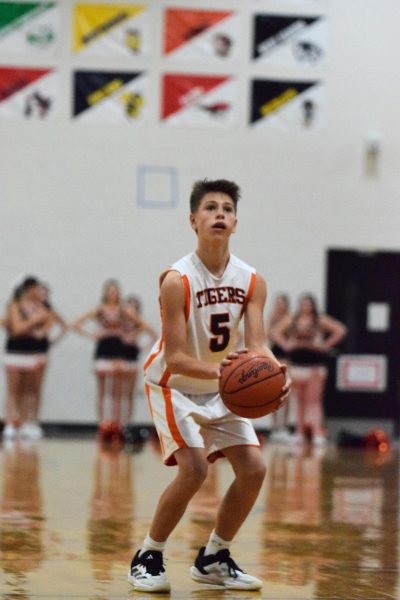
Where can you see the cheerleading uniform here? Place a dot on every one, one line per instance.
(109, 350)
(130, 332)
(27, 351)
(306, 359)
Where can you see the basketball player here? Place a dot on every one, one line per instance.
(203, 297)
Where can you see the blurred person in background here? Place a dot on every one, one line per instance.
(132, 338)
(280, 418)
(58, 322)
(308, 337)
(109, 317)
(27, 323)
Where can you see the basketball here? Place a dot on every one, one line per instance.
(251, 385)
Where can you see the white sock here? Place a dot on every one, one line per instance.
(150, 544)
(216, 543)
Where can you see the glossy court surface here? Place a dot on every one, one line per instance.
(71, 514)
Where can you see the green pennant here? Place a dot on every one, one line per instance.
(14, 15)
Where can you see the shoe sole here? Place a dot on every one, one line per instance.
(159, 588)
(211, 580)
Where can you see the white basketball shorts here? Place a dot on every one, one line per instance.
(196, 421)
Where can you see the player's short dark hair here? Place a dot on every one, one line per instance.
(204, 186)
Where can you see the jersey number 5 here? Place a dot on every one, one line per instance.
(221, 331)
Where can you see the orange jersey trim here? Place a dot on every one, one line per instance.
(250, 292)
(169, 411)
(186, 284)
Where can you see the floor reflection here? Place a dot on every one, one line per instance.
(330, 521)
(72, 513)
(110, 525)
(22, 547)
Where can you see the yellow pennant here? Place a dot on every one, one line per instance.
(92, 21)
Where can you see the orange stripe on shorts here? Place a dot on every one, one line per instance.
(178, 439)
(164, 379)
(147, 390)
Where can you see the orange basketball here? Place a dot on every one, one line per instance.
(251, 385)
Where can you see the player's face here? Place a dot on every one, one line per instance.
(215, 217)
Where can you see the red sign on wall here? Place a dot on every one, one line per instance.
(361, 373)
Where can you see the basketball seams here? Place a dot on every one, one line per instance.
(256, 391)
(246, 387)
(242, 364)
(253, 413)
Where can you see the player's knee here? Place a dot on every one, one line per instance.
(255, 472)
(195, 473)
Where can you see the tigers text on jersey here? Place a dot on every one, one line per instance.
(213, 309)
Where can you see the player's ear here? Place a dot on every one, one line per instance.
(192, 219)
(234, 228)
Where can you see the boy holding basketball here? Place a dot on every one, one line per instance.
(203, 297)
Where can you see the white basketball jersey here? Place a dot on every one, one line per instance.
(213, 309)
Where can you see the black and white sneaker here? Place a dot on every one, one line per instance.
(147, 572)
(221, 569)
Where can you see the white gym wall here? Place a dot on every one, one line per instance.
(69, 211)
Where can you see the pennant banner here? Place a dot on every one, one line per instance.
(290, 105)
(115, 97)
(201, 35)
(300, 3)
(106, 30)
(289, 40)
(199, 100)
(29, 27)
(27, 93)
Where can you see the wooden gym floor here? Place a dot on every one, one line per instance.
(326, 524)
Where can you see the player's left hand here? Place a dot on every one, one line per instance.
(232, 356)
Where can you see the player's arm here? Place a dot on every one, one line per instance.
(254, 331)
(335, 329)
(254, 334)
(172, 297)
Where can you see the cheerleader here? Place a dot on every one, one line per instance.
(132, 336)
(57, 321)
(280, 310)
(109, 355)
(308, 337)
(27, 320)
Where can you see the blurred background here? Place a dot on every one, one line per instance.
(109, 112)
